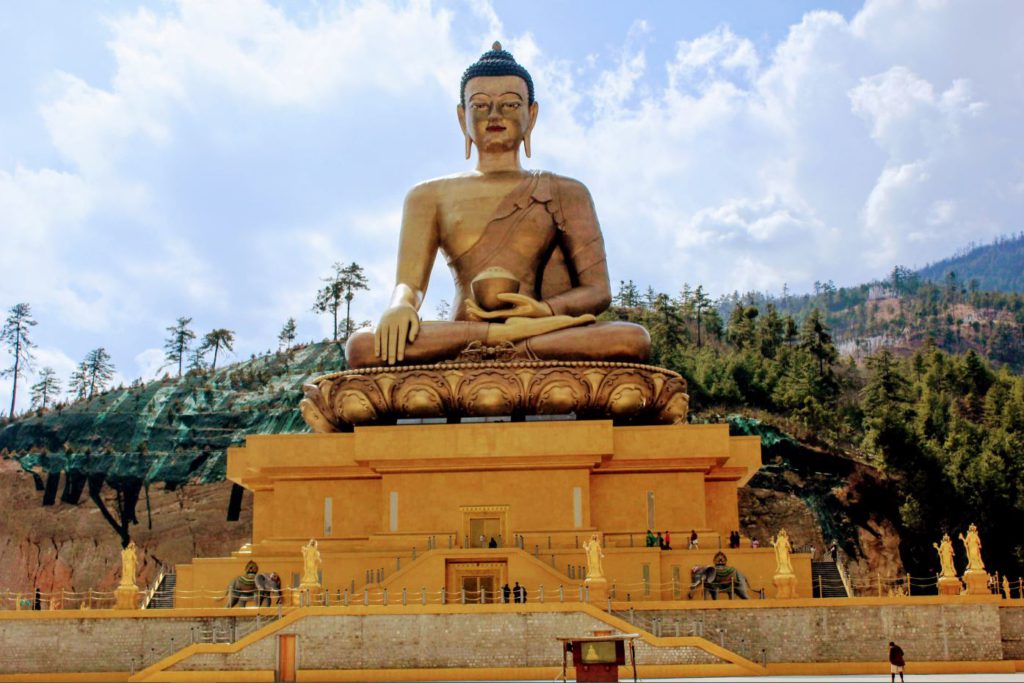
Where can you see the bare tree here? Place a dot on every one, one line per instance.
(343, 284)
(46, 389)
(14, 335)
(177, 345)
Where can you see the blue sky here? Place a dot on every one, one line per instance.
(213, 159)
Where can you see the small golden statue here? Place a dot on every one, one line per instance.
(310, 565)
(129, 566)
(972, 544)
(594, 553)
(945, 551)
(126, 596)
(975, 578)
(784, 579)
(783, 549)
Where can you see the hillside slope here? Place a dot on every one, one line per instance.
(995, 267)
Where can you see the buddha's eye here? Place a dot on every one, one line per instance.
(510, 106)
(480, 106)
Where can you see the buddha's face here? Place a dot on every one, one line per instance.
(496, 116)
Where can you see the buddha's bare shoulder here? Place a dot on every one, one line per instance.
(436, 186)
(565, 183)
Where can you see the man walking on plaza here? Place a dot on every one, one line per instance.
(896, 662)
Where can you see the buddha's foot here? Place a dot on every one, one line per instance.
(518, 329)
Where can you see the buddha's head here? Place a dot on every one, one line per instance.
(496, 109)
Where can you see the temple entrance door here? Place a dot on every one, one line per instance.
(482, 530)
(476, 578)
(479, 589)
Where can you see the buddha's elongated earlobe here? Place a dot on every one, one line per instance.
(469, 147)
(526, 145)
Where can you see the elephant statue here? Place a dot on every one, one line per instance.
(719, 578)
(259, 587)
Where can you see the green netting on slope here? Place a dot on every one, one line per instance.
(740, 425)
(175, 469)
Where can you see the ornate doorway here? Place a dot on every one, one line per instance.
(482, 581)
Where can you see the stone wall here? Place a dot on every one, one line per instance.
(41, 643)
(841, 633)
(429, 641)
(424, 638)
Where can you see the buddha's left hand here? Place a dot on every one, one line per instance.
(522, 307)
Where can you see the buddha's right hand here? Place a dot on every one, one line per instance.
(398, 326)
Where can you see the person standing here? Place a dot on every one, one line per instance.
(834, 552)
(896, 662)
(693, 539)
(659, 541)
(517, 593)
(668, 540)
(506, 593)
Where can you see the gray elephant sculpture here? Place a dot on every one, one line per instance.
(719, 579)
(262, 588)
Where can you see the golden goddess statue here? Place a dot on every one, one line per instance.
(783, 549)
(945, 551)
(524, 247)
(972, 544)
(129, 566)
(592, 548)
(310, 563)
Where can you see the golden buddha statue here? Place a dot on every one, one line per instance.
(530, 272)
(524, 247)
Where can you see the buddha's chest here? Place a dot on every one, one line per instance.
(464, 216)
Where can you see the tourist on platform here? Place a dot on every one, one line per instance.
(517, 593)
(493, 543)
(668, 541)
(522, 593)
(693, 539)
(754, 543)
(506, 593)
(896, 662)
(650, 539)
(834, 551)
(812, 552)
(659, 541)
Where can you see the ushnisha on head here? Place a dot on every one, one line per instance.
(497, 109)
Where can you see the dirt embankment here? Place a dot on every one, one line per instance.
(72, 547)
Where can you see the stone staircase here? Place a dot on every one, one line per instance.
(163, 598)
(826, 580)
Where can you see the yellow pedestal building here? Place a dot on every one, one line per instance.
(417, 507)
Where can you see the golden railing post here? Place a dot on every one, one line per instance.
(821, 593)
(879, 579)
(908, 584)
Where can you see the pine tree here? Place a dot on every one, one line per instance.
(287, 335)
(342, 284)
(176, 346)
(46, 389)
(93, 374)
(14, 336)
(216, 340)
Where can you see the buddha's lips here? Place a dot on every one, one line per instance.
(495, 129)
